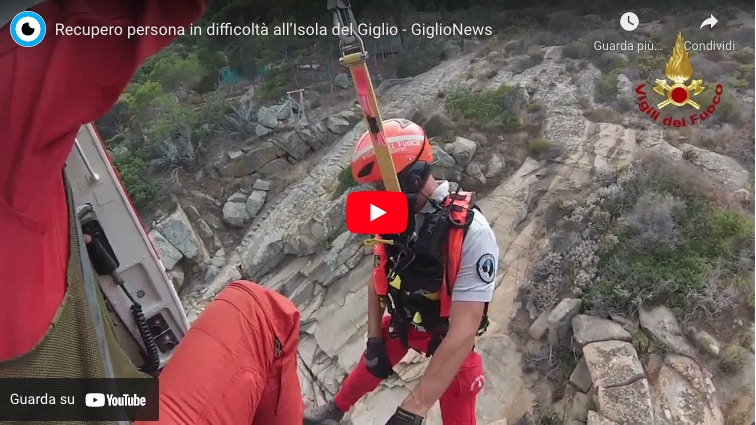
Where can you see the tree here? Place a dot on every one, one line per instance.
(177, 72)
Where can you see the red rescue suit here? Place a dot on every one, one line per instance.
(49, 91)
(237, 364)
(401, 332)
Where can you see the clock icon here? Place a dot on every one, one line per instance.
(629, 21)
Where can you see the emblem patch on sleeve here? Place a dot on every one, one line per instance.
(487, 267)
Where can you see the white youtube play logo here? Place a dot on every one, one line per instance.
(376, 212)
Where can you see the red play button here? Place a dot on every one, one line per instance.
(376, 212)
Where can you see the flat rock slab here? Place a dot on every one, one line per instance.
(588, 329)
(596, 419)
(627, 404)
(581, 376)
(612, 363)
(684, 394)
(663, 325)
(540, 327)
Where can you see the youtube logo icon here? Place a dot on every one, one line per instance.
(376, 212)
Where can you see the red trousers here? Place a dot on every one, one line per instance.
(458, 401)
(226, 370)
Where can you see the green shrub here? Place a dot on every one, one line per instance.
(133, 173)
(743, 77)
(346, 181)
(487, 109)
(175, 71)
(649, 233)
(728, 110)
(649, 65)
(743, 56)
(528, 62)
(733, 358)
(273, 86)
(572, 50)
(675, 246)
(608, 63)
(606, 88)
(533, 107)
(538, 146)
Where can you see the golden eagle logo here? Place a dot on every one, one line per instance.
(679, 70)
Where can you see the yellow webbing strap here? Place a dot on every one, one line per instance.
(369, 243)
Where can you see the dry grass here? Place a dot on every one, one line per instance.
(733, 358)
(728, 140)
(603, 114)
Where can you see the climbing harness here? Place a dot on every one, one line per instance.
(416, 287)
(354, 57)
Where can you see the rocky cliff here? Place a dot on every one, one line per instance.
(295, 242)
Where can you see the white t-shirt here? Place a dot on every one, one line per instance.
(480, 255)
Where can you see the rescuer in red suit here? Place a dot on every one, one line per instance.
(237, 364)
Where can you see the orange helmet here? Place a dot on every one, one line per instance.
(407, 143)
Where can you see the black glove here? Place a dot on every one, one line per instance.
(376, 359)
(403, 417)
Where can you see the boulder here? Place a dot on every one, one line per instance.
(612, 363)
(445, 167)
(262, 131)
(274, 167)
(283, 111)
(293, 144)
(684, 394)
(464, 150)
(540, 326)
(178, 230)
(242, 163)
(255, 202)
(342, 80)
(267, 116)
(560, 321)
(237, 196)
(203, 229)
(662, 324)
(704, 341)
(720, 168)
(627, 404)
(474, 172)
(553, 53)
(168, 253)
(302, 127)
(261, 185)
(588, 329)
(337, 125)
(495, 166)
(235, 214)
(581, 376)
(578, 410)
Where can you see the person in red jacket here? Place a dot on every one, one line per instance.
(237, 364)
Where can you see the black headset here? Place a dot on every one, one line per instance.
(414, 177)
